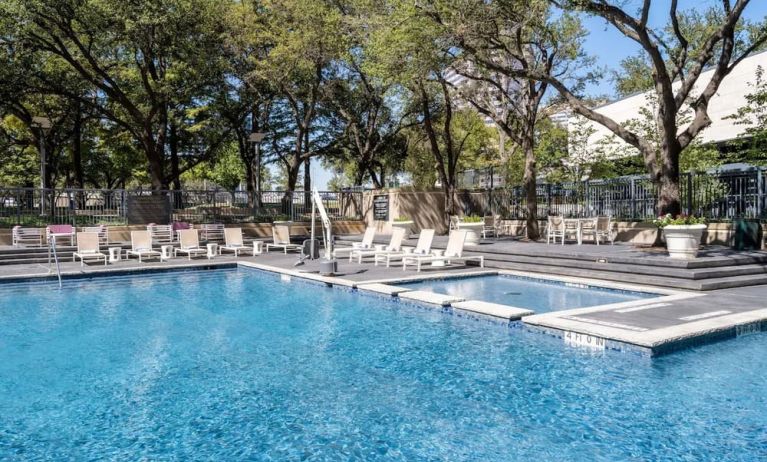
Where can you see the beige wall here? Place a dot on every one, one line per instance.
(425, 208)
(644, 233)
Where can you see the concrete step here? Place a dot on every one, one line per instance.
(629, 278)
(694, 274)
(653, 280)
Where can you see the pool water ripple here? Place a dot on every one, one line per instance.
(236, 365)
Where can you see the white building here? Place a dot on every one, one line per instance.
(730, 96)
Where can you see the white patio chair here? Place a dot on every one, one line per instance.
(233, 242)
(21, 235)
(555, 228)
(281, 239)
(600, 228)
(212, 231)
(101, 230)
(422, 248)
(141, 245)
(490, 227)
(367, 243)
(395, 246)
(88, 248)
(161, 234)
(189, 243)
(454, 252)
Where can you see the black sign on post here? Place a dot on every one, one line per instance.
(149, 209)
(381, 207)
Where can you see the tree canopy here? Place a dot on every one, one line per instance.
(159, 93)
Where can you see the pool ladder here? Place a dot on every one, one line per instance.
(52, 250)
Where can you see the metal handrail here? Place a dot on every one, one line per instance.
(52, 248)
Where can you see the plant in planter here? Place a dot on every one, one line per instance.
(682, 234)
(473, 225)
(403, 222)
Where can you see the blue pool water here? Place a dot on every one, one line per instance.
(236, 365)
(535, 294)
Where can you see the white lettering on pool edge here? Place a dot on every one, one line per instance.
(583, 340)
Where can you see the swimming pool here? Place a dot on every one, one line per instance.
(534, 294)
(233, 365)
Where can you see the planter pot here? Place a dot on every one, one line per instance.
(682, 241)
(406, 225)
(473, 232)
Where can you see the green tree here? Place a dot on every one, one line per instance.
(149, 65)
(719, 43)
(492, 41)
(753, 117)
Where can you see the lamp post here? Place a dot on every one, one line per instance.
(43, 124)
(256, 138)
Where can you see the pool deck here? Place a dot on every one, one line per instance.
(676, 319)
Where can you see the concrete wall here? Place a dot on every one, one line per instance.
(252, 230)
(425, 208)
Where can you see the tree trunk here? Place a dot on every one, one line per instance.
(307, 175)
(293, 169)
(668, 195)
(531, 193)
(449, 199)
(174, 167)
(77, 148)
(156, 169)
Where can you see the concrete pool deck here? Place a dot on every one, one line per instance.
(656, 326)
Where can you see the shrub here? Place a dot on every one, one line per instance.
(668, 220)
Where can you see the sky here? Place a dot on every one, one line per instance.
(609, 47)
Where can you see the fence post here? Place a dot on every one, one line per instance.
(689, 192)
(759, 193)
(548, 199)
(632, 198)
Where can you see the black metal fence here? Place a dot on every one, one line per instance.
(38, 207)
(716, 196)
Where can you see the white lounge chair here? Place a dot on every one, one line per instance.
(281, 239)
(212, 231)
(21, 235)
(161, 234)
(422, 248)
(233, 242)
(141, 245)
(395, 245)
(101, 230)
(454, 252)
(366, 243)
(88, 248)
(189, 244)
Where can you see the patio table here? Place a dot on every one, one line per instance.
(577, 223)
